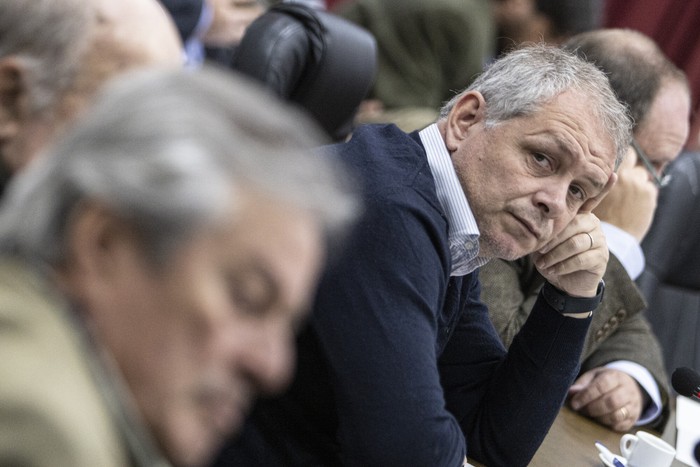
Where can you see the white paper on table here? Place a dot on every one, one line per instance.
(688, 426)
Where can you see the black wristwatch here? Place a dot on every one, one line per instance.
(565, 303)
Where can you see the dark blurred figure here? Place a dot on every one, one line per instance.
(551, 21)
(427, 51)
(671, 280)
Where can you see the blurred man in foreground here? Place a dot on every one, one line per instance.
(153, 269)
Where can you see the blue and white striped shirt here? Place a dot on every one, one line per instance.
(463, 231)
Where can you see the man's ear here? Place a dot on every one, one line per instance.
(15, 111)
(101, 254)
(469, 110)
(97, 241)
(13, 97)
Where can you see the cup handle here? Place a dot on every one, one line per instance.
(627, 443)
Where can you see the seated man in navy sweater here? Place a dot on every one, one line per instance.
(400, 364)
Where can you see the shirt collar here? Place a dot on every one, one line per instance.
(463, 232)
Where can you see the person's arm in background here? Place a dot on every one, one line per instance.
(620, 386)
(627, 212)
(509, 289)
(623, 355)
(230, 20)
(626, 248)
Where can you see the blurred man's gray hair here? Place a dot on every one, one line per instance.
(522, 81)
(165, 150)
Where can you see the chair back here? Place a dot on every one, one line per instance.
(318, 60)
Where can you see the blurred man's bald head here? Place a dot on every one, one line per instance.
(636, 66)
(56, 54)
(141, 27)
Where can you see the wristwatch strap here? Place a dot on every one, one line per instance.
(565, 303)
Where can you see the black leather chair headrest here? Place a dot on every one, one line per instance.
(320, 61)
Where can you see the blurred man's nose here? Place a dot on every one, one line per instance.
(270, 359)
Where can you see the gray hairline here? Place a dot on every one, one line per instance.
(608, 108)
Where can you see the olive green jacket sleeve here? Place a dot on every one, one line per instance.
(618, 331)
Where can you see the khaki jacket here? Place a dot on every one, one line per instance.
(53, 411)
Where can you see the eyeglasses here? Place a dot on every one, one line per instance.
(660, 180)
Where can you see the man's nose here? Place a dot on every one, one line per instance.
(269, 360)
(551, 199)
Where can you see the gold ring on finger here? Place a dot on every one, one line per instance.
(625, 413)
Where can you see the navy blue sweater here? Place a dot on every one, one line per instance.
(400, 361)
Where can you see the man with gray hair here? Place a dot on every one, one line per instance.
(153, 270)
(401, 364)
(619, 386)
(56, 54)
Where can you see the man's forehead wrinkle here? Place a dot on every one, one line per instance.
(565, 145)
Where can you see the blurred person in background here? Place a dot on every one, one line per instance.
(56, 54)
(212, 28)
(550, 21)
(427, 51)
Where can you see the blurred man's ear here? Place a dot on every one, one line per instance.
(101, 249)
(96, 238)
(14, 106)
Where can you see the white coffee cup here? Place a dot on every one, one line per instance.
(646, 450)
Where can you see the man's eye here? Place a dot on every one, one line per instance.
(577, 192)
(242, 299)
(541, 160)
(250, 294)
